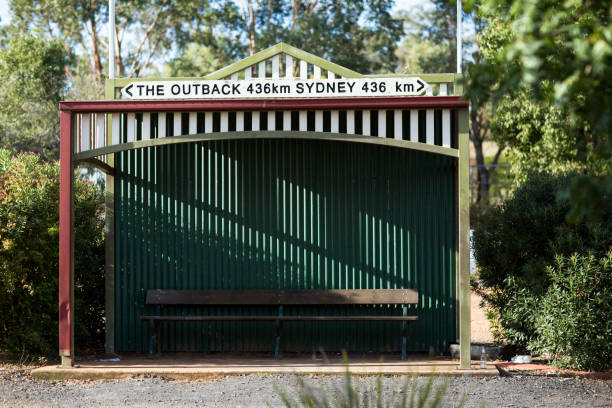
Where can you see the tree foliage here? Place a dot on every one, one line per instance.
(145, 30)
(544, 138)
(551, 63)
(430, 44)
(29, 238)
(196, 60)
(360, 35)
(515, 246)
(32, 72)
(541, 135)
(574, 319)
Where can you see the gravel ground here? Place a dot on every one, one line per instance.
(17, 389)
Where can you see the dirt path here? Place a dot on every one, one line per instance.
(17, 389)
(481, 328)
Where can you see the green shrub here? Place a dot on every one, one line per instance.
(350, 395)
(574, 319)
(514, 244)
(29, 241)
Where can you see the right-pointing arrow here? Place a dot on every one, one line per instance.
(422, 85)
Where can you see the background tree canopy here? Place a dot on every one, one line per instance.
(33, 77)
(430, 44)
(547, 66)
(360, 35)
(145, 29)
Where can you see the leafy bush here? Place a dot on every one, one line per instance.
(516, 242)
(574, 321)
(29, 241)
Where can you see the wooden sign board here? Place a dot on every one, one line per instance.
(274, 88)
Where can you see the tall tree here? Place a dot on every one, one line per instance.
(33, 77)
(480, 119)
(360, 35)
(195, 60)
(558, 57)
(431, 30)
(430, 46)
(144, 29)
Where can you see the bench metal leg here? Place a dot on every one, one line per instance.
(154, 325)
(404, 341)
(152, 340)
(279, 330)
(404, 327)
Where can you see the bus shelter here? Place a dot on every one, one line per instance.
(280, 171)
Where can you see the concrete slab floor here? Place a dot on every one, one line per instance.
(203, 367)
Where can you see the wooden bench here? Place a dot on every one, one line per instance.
(281, 299)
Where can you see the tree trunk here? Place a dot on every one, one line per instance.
(482, 173)
(252, 18)
(99, 72)
(295, 8)
(120, 67)
(478, 134)
(137, 55)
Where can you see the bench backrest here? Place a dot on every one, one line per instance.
(282, 297)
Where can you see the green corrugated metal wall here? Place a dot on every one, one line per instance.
(272, 214)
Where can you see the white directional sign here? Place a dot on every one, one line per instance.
(275, 88)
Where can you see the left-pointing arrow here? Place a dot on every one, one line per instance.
(127, 89)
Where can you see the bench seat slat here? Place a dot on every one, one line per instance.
(282, 297)
(281, 318)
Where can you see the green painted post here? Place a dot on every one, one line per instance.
(464, 247)
(109, 257)
(458, 84)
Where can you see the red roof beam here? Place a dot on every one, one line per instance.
(414, 102)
